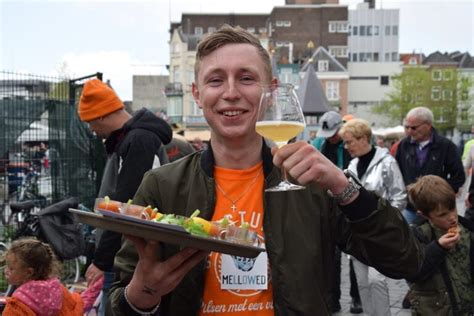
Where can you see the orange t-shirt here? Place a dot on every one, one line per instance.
(245, 188)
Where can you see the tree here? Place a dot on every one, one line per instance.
(434, 87)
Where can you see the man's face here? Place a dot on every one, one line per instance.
(334, 139)
(417, 129)
(228, 90)
(99, 127)
(443, 218)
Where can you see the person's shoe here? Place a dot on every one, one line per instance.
(356, 307)
(335, 307)
(406, 303)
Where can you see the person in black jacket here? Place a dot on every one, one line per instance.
(132, 144)
(425, 152)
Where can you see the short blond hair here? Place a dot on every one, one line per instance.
(430, 192)
(231, 35)
(358, 128)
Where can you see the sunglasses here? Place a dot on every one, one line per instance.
(414, 127)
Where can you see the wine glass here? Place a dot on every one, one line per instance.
(280, 119)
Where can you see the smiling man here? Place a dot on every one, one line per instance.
(424, 152)
(299, 229)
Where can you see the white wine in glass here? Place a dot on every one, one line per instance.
(280, 119)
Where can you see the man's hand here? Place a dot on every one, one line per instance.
(306, 164)
(448, 241)
(152, 279)
(92, 274)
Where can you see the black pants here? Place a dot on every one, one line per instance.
(336, 288)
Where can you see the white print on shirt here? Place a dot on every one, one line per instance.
(211, 308)
(240, 273)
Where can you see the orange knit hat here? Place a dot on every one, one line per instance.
(97, 100)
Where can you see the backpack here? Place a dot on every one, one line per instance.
(59, 228)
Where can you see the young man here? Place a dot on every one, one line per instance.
(132, 144)
(300, 228)
(445, 284)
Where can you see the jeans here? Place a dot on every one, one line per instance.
(108, 279)
(409, 215)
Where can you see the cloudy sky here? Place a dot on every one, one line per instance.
(122, 38)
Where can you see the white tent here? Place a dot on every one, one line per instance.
(390, 132)
(35, 133)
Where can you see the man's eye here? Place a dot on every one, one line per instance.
(247, 80)
(214, 82)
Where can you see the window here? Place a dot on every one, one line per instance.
(175, 48)
(395, 30)
(384, 80)
(387, 56)
(448, 75)
(338, 27)
(281, 23)
(338, 51)
(447, 95)
(376, 56)
(323, 65)
(394, 56)
(375, 30)
(176, 74)
(387, 30)
(282, 44)
(354, 30)
(435, 93)
(362, 30)
(332, 90)
(262, 30)
(211, 29)
(251, 30)
(354, 57)
(436, 75)
(198, 30)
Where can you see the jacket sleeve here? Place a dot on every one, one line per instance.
(434, 256)
(454, 167)
(377, 235)
(395, 185)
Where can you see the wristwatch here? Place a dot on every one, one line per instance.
(349, 191)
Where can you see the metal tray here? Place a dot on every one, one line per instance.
(137, 227)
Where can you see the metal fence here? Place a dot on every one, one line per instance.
(46, 152)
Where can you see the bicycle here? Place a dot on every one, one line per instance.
(31, 223)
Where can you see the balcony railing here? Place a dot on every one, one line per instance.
(174, 89)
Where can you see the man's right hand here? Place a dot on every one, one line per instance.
(153, 279)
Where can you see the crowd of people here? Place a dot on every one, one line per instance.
(395, 215)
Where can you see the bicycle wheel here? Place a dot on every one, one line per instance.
(71, 271)
(3, 264)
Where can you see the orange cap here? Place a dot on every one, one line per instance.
(347, 117)
(97, 100)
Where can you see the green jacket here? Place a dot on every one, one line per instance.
(300, 230)
(432, 288)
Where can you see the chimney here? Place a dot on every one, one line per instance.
(371, 3)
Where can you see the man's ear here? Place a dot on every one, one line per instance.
(196, 95)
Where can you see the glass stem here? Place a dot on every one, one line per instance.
(284, 176)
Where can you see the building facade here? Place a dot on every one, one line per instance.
(373, 35)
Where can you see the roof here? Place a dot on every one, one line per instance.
(311, 94)
(439, 58)
(322, 54)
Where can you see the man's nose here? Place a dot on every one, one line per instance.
(231, 90)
